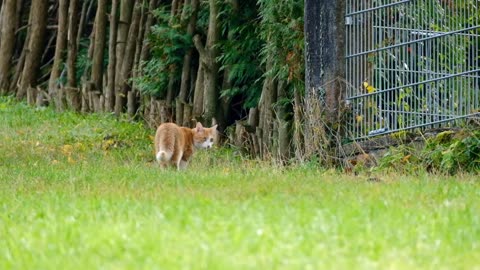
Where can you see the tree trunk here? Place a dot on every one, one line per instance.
(54, 91)
(133, 102)
(98, 52)
(15, 83)
(139, 40)
(174, 12)
(284, 124)
(187, 115)
(127, 63)
(298, 142)
(170, 88)
(208, 58)
(35, 47)
(7, 43)
(126, 8)
(198, 94)
(187, 59)
(110, 93)
(268, 98)
(20, 11)
(145, 47)
(225, 108)
(84, 15)
(72, 93)
(252, 123)
(144, 52)
(86, 84)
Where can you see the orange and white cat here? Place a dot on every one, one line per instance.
(174, 145)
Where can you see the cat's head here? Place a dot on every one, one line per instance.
(203, 138)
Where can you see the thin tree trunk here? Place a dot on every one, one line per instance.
(211, 73)
(98, 52)
(268, 98)
(86, 85)
(72, 92)
(128, 57)
(35, 47)
(175, 5)
(208, 55)
(253, 119)
(86, 10)
(48, 46)
(187, 115)
(144, 52)
(187, 59)
(7, 43)
(20, 10)
(284, 125)
(126, 8)
(298, 141)
(174, 12)
(198, 94)
(72, 42)
(139, 41)
(145, 47)
(15, 83)
(1, 17)
(170, 88)
(134, 95)
(110, 93)
(53, 90)
(225, 108)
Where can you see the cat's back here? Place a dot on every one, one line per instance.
(168, 136)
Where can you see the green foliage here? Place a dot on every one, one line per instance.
(258, 30)
(452, 153)
(169, 43)
(83, 62)
(282, 30)
(402, 158)
(239, 52)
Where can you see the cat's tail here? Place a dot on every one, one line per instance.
(164, 156)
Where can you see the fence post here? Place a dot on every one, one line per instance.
(324, 76)
(325, 54)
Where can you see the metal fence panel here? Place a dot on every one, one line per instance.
(411, 64)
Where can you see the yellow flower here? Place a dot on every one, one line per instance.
(359, 118)
(370, 89)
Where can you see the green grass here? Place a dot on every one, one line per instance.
(82, 192)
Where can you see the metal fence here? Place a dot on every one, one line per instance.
(411, 64)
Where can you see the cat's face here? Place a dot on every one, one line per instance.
(203, 137)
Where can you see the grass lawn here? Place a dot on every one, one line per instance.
(82, 192)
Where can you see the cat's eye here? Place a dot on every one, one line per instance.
(211, 139)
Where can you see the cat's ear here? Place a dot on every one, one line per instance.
(199, 127)
(214, 127)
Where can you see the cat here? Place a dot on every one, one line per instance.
(175, 145)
